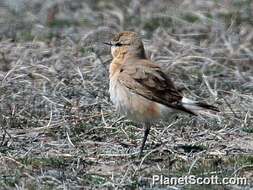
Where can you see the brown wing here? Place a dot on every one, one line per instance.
(149, 81)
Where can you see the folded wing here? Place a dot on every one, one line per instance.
(148, 80)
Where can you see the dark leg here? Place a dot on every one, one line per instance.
(146, 132)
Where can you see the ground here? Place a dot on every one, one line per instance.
(59, 129)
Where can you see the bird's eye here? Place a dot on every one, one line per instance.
(118, 44)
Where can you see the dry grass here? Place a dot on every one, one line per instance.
(58, 126)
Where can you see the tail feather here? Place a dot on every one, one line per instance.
(207, 106)
(199, 108)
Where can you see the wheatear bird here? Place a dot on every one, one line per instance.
(140, 89)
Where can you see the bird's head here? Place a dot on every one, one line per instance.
(125, 43)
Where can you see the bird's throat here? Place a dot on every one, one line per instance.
(115, 65)
(117, 62)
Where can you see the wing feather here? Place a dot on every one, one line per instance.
(148, 80)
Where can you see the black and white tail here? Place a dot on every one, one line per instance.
(199, 108)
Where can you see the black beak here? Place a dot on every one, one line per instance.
(107, 43)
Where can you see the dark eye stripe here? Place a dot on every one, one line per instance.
(120, 44)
